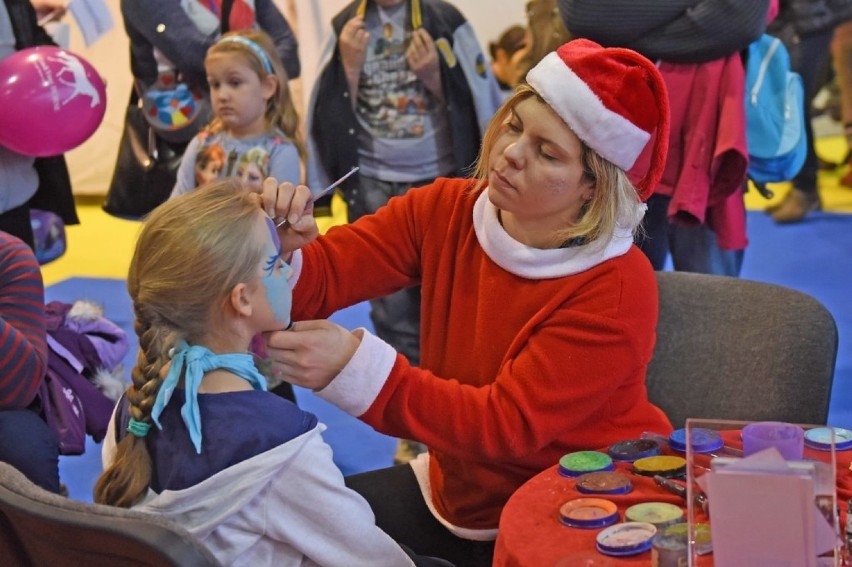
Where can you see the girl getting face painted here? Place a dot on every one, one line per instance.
(276, 276)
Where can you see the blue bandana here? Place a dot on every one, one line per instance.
(198, 360)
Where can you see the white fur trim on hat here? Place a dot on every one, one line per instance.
(608, 133)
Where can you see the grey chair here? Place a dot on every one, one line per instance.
(730, 348)
(39, 528)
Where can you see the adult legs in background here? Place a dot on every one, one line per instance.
(395, 317)
(807, 58)
(29, 445)
(397, 502)
(693, 248)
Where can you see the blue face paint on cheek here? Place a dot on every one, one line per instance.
(280, 295)
(276, 281)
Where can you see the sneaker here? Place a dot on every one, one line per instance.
(795, 205)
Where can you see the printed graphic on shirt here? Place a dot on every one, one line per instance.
(209, 163)
(392, 102)
(253, 167)
(213, 161)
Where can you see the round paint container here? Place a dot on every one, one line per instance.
(670, 548)
(582, 462)
(633, 449)
(703, 540)
(819, 438)
(589, 513)
(628, 538)
(661, 514)
(604, 482)
(701, 440)
(666, 466)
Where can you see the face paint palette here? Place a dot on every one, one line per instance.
(581, 462)
(633, 449)
(589, 513)
(661, 514)
(604, 482)
(701, 440)
(628, 538)
(663, 465)
(820, 438)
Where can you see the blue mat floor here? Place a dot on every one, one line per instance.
(814, 256)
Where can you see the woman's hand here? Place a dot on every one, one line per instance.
(294, 203)
(311, 353)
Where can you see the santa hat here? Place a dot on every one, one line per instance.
(614, 100)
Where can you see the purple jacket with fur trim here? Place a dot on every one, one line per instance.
(83, 343)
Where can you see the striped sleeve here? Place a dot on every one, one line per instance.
(23, 348)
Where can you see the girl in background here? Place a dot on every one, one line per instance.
(254, 111)
(202, 442)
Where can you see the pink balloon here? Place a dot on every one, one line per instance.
(50, 101)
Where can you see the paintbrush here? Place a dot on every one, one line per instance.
(279, 222)
(681, 490)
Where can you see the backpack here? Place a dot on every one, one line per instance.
(775, 120)
(48, 235)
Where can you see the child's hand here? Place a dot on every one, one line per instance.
(293, 203)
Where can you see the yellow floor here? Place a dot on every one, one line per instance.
(835, 197)
(101, 246)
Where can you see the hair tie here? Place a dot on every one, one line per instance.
(138, 428)
(257, 49)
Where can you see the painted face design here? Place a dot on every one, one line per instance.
(276, 277)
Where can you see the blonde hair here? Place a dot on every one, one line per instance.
(546, 32)
(280, 110)
(191, 252)
(614, 200)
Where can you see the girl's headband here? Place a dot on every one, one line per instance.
(258, 50)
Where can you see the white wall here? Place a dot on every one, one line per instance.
(91, 164)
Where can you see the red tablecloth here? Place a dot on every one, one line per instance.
(531, 533)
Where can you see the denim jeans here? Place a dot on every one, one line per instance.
(693, 248)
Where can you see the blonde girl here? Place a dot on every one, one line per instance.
(253, 108)
(201, 441)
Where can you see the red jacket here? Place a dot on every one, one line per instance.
(708, 158)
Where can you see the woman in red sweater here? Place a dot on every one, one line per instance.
(538, 310)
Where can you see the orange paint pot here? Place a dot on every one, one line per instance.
(588, 513)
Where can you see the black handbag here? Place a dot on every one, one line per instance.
(145, 169)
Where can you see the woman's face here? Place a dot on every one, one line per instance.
(536, 168)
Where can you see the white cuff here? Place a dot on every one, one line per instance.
(356, 387)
